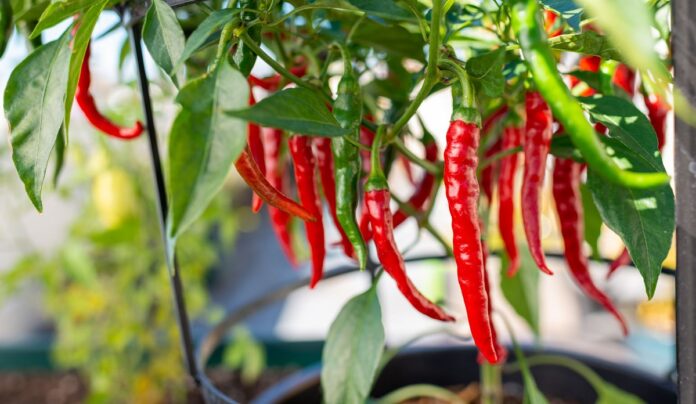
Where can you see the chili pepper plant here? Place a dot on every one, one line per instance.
(544, 94)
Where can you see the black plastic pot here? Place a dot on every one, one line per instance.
(457, 366)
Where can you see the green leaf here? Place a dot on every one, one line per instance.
(628, 24)
(34, 104)
(627, 124)
(297, 110)
(57, 12)
(644, 219)
(163, 36)
(205, 29)
(592, 221)
(392, 39)
(79, 46)
(570, 11)
(204, 142)
(562, 146)
(487, 71)
(522, 290)
(592, 79)
(532, 394)
(28, 9)
(5, 25)
(588, 43)
(353, 349)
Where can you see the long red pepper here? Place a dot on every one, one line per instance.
(324, 159)
(487, 173)
(536, 145)
(251, 174)
(462, 189)
(625, 78)
(377, 199)
(423, 188)
(658, 111)
(566, 194)
(271, 83)
(275, 173)
(512, 137)
(499, 349)
(86, 102)
(256, 148)
(304, 164)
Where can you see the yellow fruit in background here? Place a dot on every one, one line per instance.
(114, 197)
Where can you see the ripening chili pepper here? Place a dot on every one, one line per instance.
(324, 159)
(273, 82)
(377, 199)
(499, 349)
(536, 145)
(623, 259)
(347, 110)
(550, 19)
(275, 175)
(303, 161)
(256, 149)
(86, 102)
(367, 137)
(424, 188)
(625, 78)
(462, 190)
(512, 137)
(487, 130)
(658, 112)
(566, 194)
(251, 174)
(565, 108)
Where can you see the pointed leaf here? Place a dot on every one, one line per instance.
(204, 142)
(587, 43)
(57, 12)
(487, 71)
(297, 110)
(644, 219)
(205, 29)
(163, 36)
(353, 350)
(34, 105)
(5, 25)
(522, 290)
(592, 221)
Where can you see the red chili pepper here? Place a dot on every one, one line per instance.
(588, 64)
(89, 107)
(462, 191)
(512, 137)
(324, 158)
(658, 111)
(256, 148)
(549, 22)
(623, 259)
(499, 349)
(271, 83)
(536, 144)
(487, 172)
(303, 161)
(377, 199)
(275, 174)
(566, 194)
(424, 188)
(407, 169)
(251, 174)
(625, 78)
(367, 137)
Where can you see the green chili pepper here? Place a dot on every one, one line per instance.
(348, 112)
(566, 109)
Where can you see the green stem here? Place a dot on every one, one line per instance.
(578, 367)
(375, 161)
(224, 40)
(431, 72)
(491, 384)
(498, 156)
(420, 390)
(424, 223)
(426, 165)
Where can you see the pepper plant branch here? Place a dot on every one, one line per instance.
(424, 164)
(431, 73)
(411, 211)
(498, 156)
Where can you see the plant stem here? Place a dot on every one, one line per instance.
(491, 384)
(424, 223)
(431, 72)
(498, 156)
(426, 165)
(222, 43)
(421, 390)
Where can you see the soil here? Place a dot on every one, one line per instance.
(69, 387)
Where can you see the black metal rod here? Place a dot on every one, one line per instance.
(173, 266)
(683, 44)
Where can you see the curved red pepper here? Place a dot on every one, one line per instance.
(304, 164)
(625, 78)
(566, 194)
(536, 145)
(500, 350)
(487, 172)
(512, 137)
(658, 112)
(462, 191)
(256, 148)
(623, 259)
(89, 107)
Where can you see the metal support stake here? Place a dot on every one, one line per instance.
(683, 45)
(178, 290)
